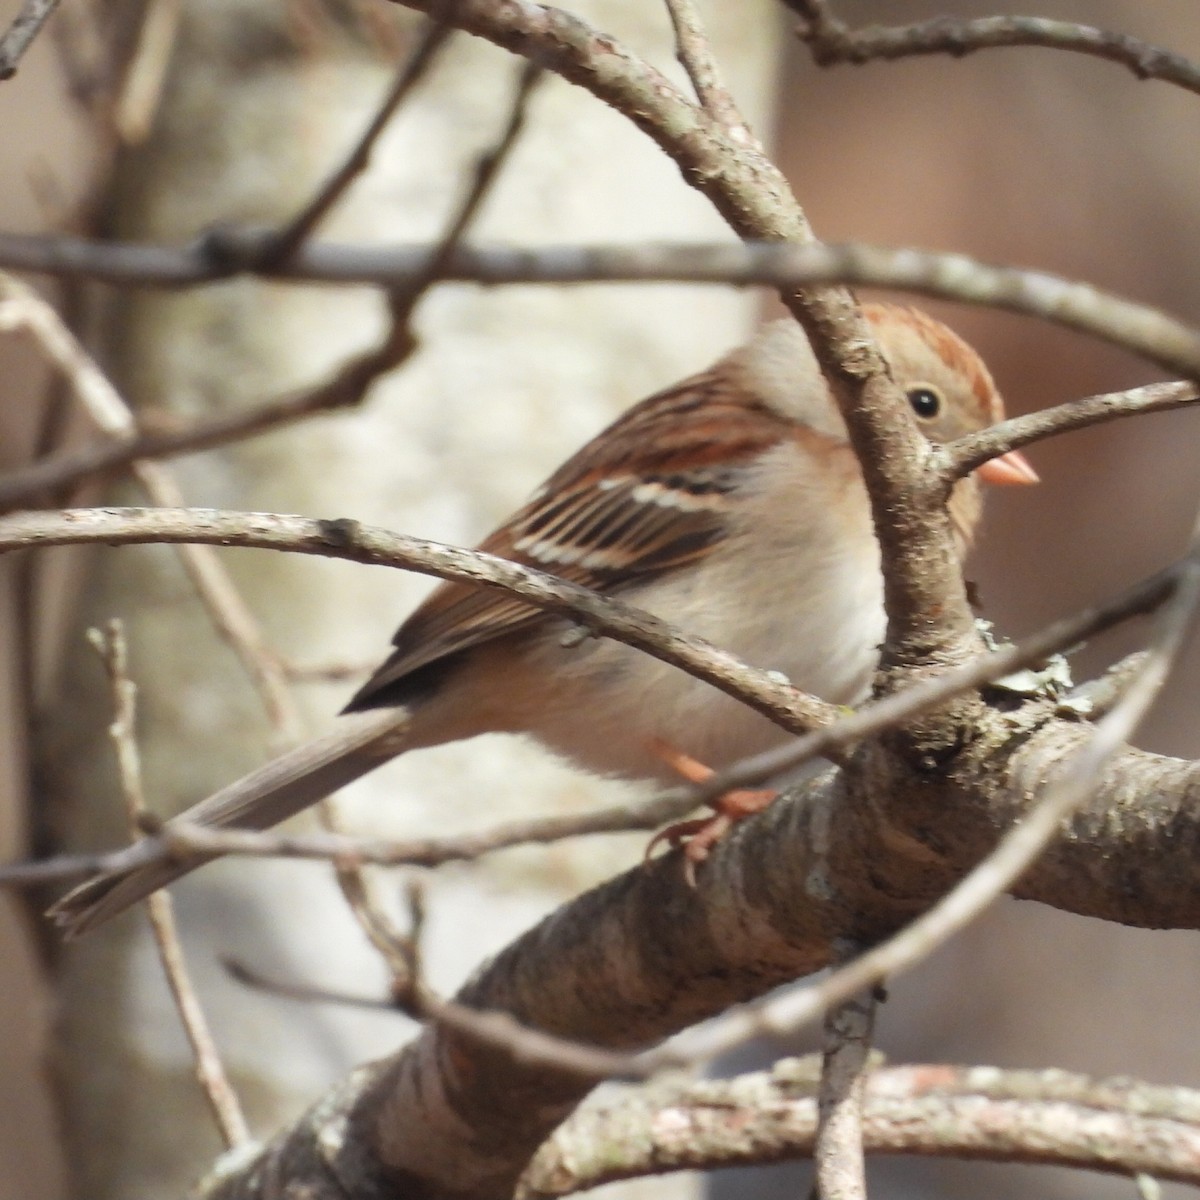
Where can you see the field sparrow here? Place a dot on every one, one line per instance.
(731, 504)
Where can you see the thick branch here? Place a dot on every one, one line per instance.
(644, 955)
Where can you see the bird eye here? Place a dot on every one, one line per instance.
(926, 401)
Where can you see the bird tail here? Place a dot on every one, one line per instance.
(266, 796)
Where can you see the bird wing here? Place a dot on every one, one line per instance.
(647, 496)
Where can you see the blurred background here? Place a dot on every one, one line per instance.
(1017, 156)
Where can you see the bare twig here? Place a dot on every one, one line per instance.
(329, 672)
(230, 614)
(412, 995)
(221, 599)
(182, 840)
(964, 455)
(946, 276)
(694, 51)
(279, 246)
(487, 171)
(210, 1071)
(141, 89)
(344, 389)
(56, 472)
(20, 306)
(20, 34)
(832, 42)
(761, 690)
(495, 1030)
(306, 993)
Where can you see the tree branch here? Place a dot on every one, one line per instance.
(230, 251)
(832, 42)
(1119, 1126)
(645, 955)
(761, 690)
(19, 36)
(963, 456)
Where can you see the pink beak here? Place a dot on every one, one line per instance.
(1007, 470)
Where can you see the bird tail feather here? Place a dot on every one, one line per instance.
(264, 797)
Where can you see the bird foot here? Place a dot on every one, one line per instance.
(698, 836)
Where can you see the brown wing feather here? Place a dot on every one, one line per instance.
(645, 497)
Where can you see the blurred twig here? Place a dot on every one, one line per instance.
(19, 36)
(140, 93)
(694, 51)
(20, 306)
(283, 243)
(210, 1072)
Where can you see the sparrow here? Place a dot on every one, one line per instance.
(730, 504)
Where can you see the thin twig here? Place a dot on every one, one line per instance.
(27, 485)
(307, 993)
(183, 840)
(364, 901)
(487, 171)
(230, 615)
(222, 601)
(763, 691)
(20, 306)
(344, 389)
(210, 1071)
(281, 245)
(18, 37)
(140, 94)
(412, 995)
(496, 1030)
(832, 42)
(961, 457)
(694, 51)
(329, 672)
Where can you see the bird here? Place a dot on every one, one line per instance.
(731, 504)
